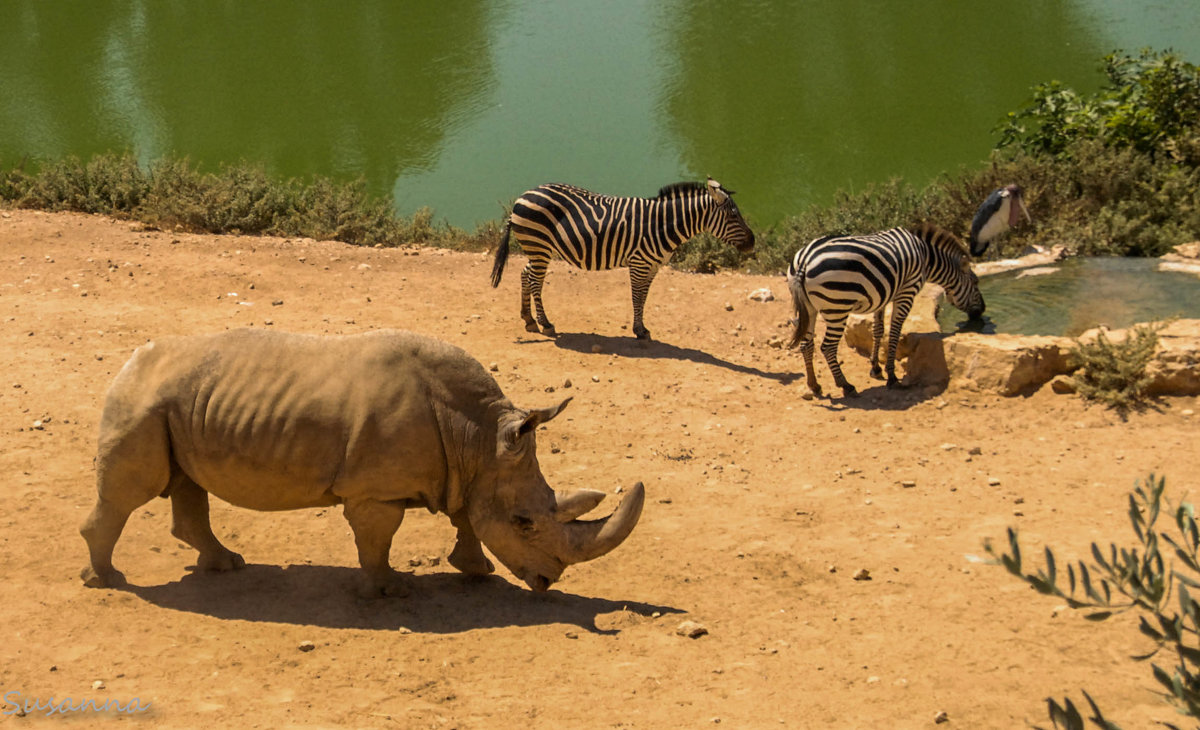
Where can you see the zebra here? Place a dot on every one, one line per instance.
(595, 232)
(836, 276)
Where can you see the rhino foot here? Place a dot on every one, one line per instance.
(220, 562)
(110, 578)
(387, 587)
(471, 562)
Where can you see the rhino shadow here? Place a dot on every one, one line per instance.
(630, 347)
(323, 595)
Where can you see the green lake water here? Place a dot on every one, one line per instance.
(461, 106)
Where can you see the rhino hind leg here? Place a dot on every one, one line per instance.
(101, 530)
(190, 523)
(374, 524)
(132, 467)
(467, 555)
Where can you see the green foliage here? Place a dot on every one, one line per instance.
(1140, 579)
(1115, 373)
(705, 254)
(241, 198)
(1150, 103)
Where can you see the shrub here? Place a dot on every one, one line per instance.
(1115, 373)
(1139, 579)
(1150, 103)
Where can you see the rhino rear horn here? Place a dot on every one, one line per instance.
(589, 539)
(580, 502)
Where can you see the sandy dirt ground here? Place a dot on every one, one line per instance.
(761, 509)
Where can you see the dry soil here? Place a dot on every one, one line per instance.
(823, 544)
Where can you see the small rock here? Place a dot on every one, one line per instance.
(993, 481)
(948, 446)
(975, 451)
(98, 684)
(571, 635)
(567, 383)
(1187, 413)
(862, 574)
(941, 717)
(307, 646)
(762, 295)
(691, 629)
(276, 302)
(728, 306)
(595, 378)
(596, 349)
(1062, 384)
(908, 483)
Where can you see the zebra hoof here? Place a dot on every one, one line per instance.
(644, 335)
(550, 331)
(894, 384)
(849, 391)
(877, 373)
(531, 327)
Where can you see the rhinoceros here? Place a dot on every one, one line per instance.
(377, 422)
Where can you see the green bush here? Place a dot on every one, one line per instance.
(1150, 103)
(1139, 579)
(1115, 373)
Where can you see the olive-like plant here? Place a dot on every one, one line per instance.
(1155, 578)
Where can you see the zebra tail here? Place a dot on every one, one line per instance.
(501, 257)
(796, 285)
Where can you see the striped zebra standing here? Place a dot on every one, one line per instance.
(601, 232)
(837, 276)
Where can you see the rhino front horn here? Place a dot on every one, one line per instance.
(589, 539)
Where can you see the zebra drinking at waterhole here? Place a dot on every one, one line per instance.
(837, 276)
(602, 232)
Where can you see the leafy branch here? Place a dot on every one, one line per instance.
(1140, 578)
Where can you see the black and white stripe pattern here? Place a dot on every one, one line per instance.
(837, 276)
(601, 232)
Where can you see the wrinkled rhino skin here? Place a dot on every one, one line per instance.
(377, 422)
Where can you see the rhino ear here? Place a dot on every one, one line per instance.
(516, 430)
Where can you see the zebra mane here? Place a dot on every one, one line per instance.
(940, 238)
(681, 187)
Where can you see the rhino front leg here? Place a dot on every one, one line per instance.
(190, 523)
(468, 555)
(374, 523)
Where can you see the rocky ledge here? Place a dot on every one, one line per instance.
(1022, 364)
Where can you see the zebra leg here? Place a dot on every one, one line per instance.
(876, 338)
(807, 347)
(900, 308)
(641, 274)
(530, 324)
(537, 277)
(829, 348)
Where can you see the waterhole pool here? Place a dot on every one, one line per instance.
(1071, 296)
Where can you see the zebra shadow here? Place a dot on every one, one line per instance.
(877, 397)
(630, 347)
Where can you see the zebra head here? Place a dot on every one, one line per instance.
(725, 221)
(951, 269)
(966, 295)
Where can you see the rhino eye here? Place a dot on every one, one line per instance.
(522, 523)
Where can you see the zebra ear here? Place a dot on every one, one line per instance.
(719, 193)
